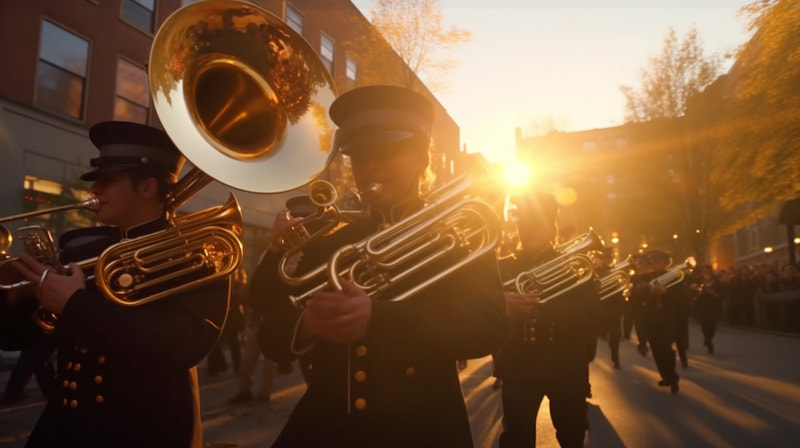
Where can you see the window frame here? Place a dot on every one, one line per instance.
(38, 92)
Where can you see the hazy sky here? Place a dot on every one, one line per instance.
(533, 61)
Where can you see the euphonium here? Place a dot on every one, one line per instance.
(617, 279)
(455, 222)
(675, 274)
(560, 275)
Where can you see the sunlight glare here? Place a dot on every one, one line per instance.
(516, 174)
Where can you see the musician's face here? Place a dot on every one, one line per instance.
(397, 167)
(122, 201)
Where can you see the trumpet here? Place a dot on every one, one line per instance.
(674, 275)
(456, 222)
(560, 275)
(38, 242)
(617, 280)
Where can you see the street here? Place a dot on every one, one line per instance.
(746, 394)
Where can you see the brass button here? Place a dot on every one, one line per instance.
(360, 404)
(361, 376)
(73, 386)
(98, 399)
(69, 365)
(361, 350)
(73, 404)
(411, 371)
(65, 383)
(64, 402)
(550, 339)
(98, 379)
(83, 350)
(101, 359)
(77, 367)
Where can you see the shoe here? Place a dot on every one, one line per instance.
(710, 348)
(261, 397)
(642, 350)
(462, 364)
(243, 396)
(673, 388)
(498, 383)
(616, 365)
(665, 383)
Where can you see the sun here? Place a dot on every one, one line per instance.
(516, 174)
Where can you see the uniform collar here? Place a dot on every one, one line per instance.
(145, 228)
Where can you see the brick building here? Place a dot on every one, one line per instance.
(69, 64)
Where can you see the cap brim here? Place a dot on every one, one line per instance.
(368, 139)
(92, 175)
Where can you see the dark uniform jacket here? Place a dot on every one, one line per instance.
(398, 386)
(126, 375)
(553, 342)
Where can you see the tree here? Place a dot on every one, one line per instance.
(415, 30)
(677, 166)
(680, 72)
(761, 127)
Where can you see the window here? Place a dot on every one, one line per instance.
(132, 102)
(294, 19)
(351, 69)
(139, 13)
(61, 75)
(326, 51)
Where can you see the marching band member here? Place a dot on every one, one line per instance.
(660, 309)
(126, 376)
(547, 354)
(382, 374)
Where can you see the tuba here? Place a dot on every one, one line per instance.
(562, 274)
(454, 222)
(245, 99)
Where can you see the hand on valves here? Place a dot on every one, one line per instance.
(53, 290)
(521, 304)
(337, 316)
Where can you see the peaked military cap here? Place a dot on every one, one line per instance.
(659, 255)
(380, 114)
(125, 145)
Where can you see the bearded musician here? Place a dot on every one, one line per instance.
(382, 373)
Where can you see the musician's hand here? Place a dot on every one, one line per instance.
(337, 316)
(520, 304)
(53, 290)
(280, 227)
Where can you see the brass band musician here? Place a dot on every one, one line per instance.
(548, 350)
(383, 373)
(126, 376)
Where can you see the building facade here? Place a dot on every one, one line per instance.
(70, 64)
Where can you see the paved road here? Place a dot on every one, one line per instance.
(747, 394)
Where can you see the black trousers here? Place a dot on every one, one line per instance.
(521, 400)
(660, 328)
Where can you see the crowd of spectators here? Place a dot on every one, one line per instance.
(765, 295)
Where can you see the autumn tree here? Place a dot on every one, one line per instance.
(676, 170)
(415, 30)
(762, 127)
